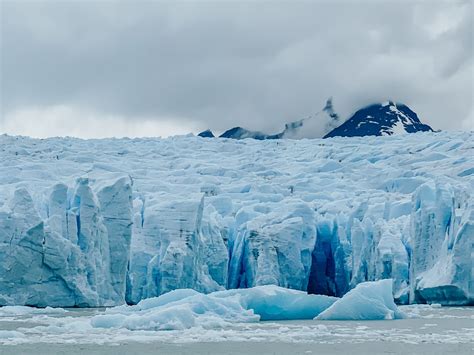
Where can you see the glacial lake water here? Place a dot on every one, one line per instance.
(431, 330)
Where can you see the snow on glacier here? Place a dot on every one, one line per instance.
(104, 222)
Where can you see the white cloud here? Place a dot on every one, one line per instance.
(468, 122)
(187, 66)
(65, 120)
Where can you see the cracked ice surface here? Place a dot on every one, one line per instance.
(101, 222)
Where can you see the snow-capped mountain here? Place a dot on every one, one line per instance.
(293, 130)
(383, 119)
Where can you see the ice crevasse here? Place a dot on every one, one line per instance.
(114, 221)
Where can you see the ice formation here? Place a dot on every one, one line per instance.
(177, 310)
(186, 308)
(367, 301)
(104, 222)
(272, 302)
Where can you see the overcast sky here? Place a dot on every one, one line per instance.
(151, 68)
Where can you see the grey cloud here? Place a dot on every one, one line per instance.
(254, 64)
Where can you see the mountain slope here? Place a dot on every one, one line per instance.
(303, 128)
(241, 133)
(383, 119)
(206, 134)
(380, 120)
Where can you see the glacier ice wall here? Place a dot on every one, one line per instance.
(73, 255)
(104, 222)
(442, 247)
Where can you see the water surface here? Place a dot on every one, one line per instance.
(435, 330)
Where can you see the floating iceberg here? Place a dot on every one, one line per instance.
(367, 301)
(25, 310)
(277, 303)
(177, 310)
(86, 223)
(185, 308)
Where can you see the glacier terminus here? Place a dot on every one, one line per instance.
(86, 223)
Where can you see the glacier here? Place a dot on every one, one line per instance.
(87, 223)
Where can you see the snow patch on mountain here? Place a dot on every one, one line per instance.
(385, 119)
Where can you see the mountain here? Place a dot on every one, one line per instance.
(206, 134)
(293, 130)
(334, 120)
(241, 133)
(383, 119)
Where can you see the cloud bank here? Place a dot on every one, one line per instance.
(115, 68)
